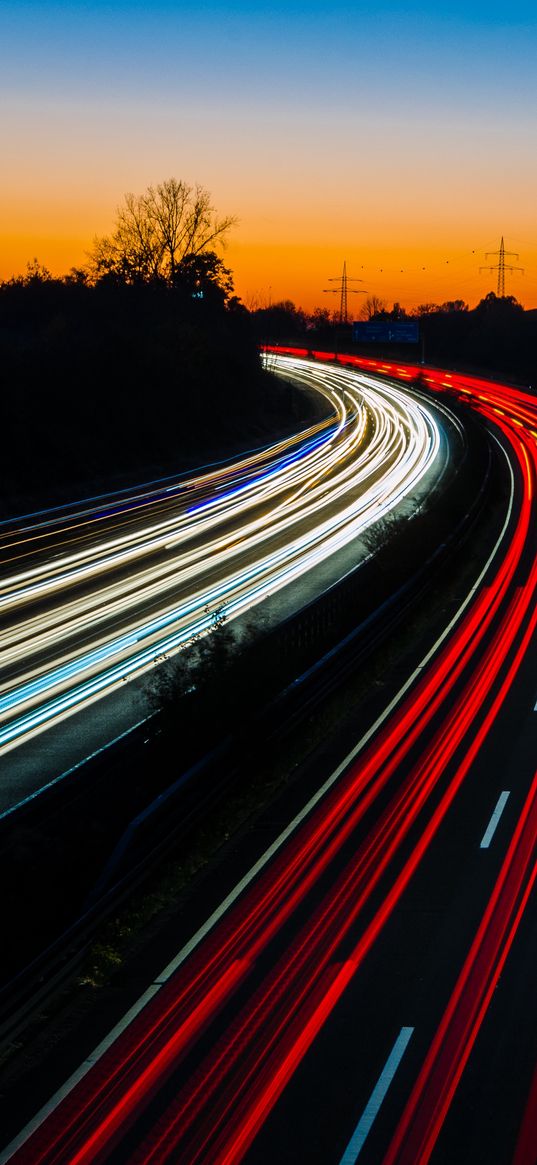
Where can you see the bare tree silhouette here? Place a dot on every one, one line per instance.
(154, 232)
(373, 306)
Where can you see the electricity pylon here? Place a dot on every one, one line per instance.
(343, 290)
(501, 267)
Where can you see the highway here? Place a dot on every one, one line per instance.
(93, 595)
(365, 990)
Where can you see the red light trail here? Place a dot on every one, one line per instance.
(274, 1005)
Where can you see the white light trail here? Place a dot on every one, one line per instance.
(95, 597)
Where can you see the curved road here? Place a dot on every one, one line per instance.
(366, 990)
(92, 597)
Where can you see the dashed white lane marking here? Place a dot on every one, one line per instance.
(372, 1107)
(491, 827)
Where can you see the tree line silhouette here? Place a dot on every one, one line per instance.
(497, 336)
(142, 364)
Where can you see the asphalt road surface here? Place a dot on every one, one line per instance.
(366, 991)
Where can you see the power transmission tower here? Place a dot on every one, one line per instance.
(343, 290)
(501, 267)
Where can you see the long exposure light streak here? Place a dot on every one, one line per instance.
(218, 1109)
(90, 604)
(425, 1112)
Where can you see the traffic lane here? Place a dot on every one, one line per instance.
(85, 524)
(224, 546)
(279, 575)
(128, 597)
(497, 1089)
(125, 527)
(406, 981)
(192, 523)
(184, 534)
(340, 445)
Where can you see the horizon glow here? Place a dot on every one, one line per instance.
(397, 139)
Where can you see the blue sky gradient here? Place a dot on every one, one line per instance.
(313, 123)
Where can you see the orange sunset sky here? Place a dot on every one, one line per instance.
(398, 140)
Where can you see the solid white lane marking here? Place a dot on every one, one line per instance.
(372, 1107)
(272, 849)
(491, 827)
(69, 772)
